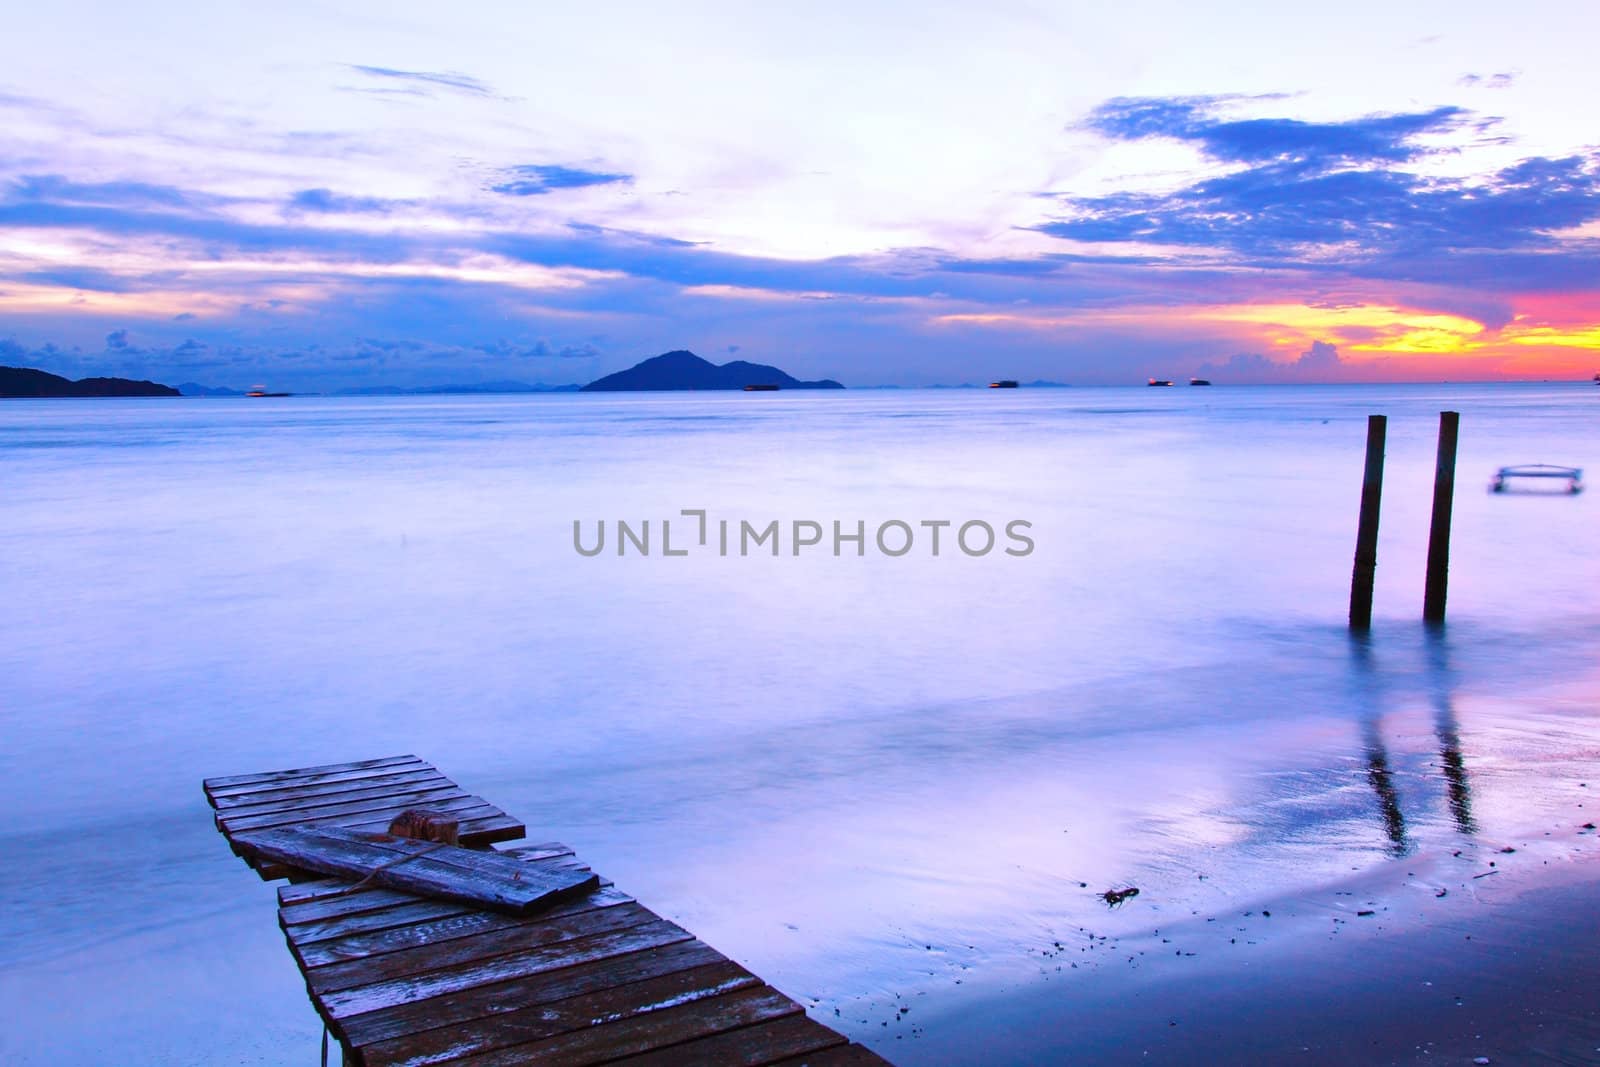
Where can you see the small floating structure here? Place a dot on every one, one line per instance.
(1004, 383)
(1159, 381)
(420, 943)
(1199, 381)
(1572, 475)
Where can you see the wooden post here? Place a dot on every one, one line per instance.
(1366, 567)
(1444, 488)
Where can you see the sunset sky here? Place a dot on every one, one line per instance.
(316, 197)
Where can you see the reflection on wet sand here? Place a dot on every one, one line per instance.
(1382, 780)
(1440, 684)
(1441, 691)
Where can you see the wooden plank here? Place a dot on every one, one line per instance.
(749, 1046)
(486, 826)
(336, 791)
(453, 980)
(321, 952)
(294, 920)
(332, 907)
(488, 864)
(550, 1019)
(510, 939)
(839, 1056)
(669, 1026)
(382, 811)
(546, 987)
(384, 918)
(438, 798)
(268, 803)
(330, 772)
(306, 891)
(486, 879)
(295, 894)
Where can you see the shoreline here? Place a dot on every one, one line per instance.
(1380, 968)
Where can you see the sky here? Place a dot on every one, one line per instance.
(308, 197)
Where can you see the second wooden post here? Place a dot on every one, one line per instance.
(1444, 488)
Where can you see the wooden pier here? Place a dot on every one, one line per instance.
(407, 979)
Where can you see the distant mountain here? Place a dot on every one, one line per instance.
(685, 370)
(196, 389)
(26, 381)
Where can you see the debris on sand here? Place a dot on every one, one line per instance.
(1115, 897)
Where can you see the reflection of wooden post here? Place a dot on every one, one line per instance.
(1444, 488)
(1366, 567)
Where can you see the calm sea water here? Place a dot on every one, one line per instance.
(866, 777)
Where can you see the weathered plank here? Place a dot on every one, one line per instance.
(380, 813)
(453, 980)
(486, 879)
(540, 1021)
(544, 987)
(303, 892)
(476, 948)
(487, 864)
(626, 1037)
(487, 826)
(330, 772)
(447, 797)
(470, 921)
(387, 917)
(332, 793)
(369, 905)
(748, 1046)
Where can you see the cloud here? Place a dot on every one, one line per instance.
(1337, 196)
(540, 349)
(53, 188)
(537, 179)
(427, 78)
(326, 201)
(117, 339)
(1488, 81)
(1319, 363)
(1373, 138)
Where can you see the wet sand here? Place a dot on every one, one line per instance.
(1503, 966)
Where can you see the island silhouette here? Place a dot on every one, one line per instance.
(684, 370)
(28, 382)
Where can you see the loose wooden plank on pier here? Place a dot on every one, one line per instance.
(430, 869)
(592, 978)
(364, 795)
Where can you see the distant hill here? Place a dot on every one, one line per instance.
(685, 370)
(26, 381)
(196, 389)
